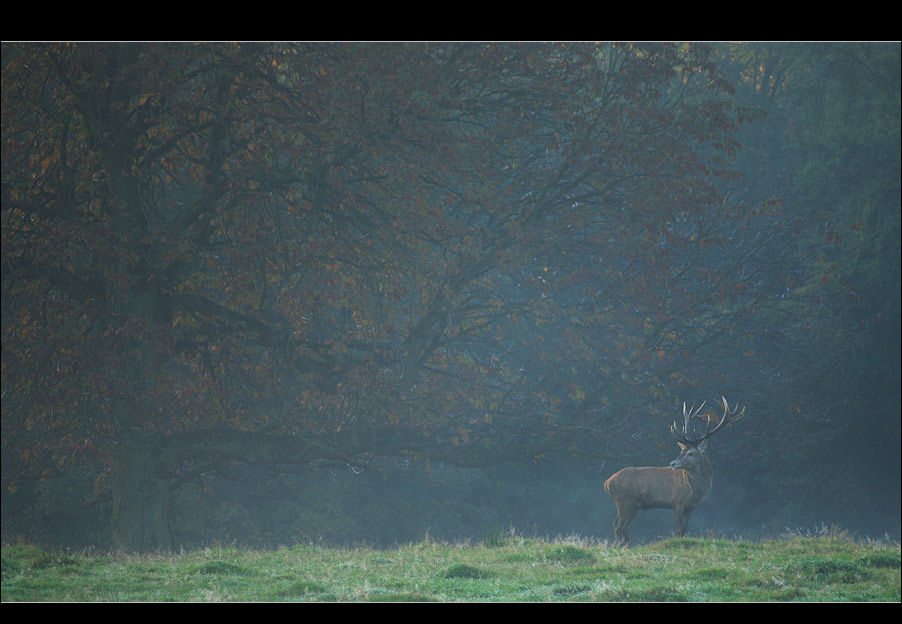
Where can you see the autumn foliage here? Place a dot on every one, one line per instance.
(300, 253)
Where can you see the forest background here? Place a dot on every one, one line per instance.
(363, 293)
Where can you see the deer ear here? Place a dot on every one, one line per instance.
(682, 446)
(702, 445)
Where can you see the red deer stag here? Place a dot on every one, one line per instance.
(681, 487)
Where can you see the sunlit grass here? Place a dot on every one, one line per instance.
(509, 569)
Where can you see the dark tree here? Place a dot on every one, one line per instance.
(291, 255)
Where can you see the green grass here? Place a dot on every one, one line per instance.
(821, 569)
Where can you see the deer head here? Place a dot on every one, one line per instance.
(693, 447)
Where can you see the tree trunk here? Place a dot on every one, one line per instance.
(140, 520)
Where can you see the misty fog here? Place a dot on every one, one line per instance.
(267, 294)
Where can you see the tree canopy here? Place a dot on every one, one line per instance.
(301, 254)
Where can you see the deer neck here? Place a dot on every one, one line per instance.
(700, 478)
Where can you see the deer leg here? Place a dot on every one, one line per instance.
(625, 515)
(681, 519)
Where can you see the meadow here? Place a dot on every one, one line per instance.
(502, 568)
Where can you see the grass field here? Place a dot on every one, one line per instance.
(501, 569)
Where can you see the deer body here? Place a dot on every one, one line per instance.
(681, 487)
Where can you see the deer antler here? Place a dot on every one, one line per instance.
(684, 436)
(728, 417)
